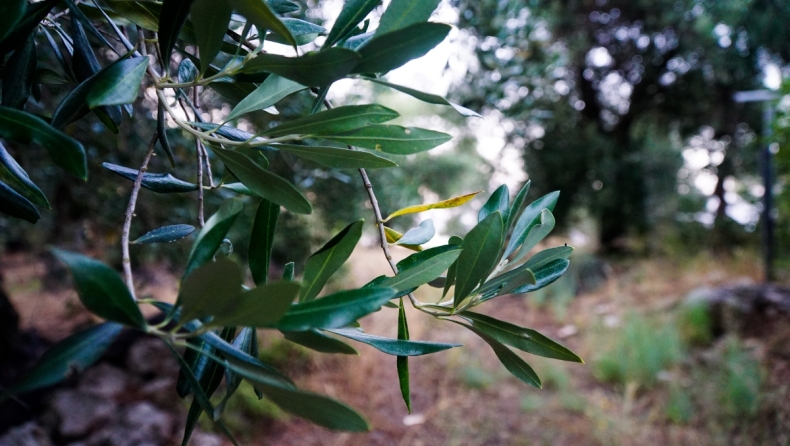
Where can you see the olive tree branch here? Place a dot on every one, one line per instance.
(127, 222)
(380, 226)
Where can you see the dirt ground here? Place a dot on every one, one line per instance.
(464, 396)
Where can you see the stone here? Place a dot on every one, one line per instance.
(145, 418)
(104, 380)
(28, 434)
(149, 356)
(79, 413)
(205, 439)
(161, 391)
(140, 424)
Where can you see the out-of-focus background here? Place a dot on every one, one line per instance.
(664, 125)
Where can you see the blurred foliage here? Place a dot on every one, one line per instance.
(617, 87)
(637, 351)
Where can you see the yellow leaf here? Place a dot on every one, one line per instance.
(449, 203)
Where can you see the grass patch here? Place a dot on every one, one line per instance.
(637, 351)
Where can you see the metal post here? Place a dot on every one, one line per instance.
(766, 166)
(766, 169)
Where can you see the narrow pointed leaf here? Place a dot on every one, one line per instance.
(426, 97)
(403, 361)
(24, 128)
(193, 415)
(17, 206)
(196, 362)
(422, 267)
(517, 207)
(314, 69)
(327, 260)
(288, 271)
(34, 13)
(200, 396)
(419, 235)
(355, 42)
(172, 17)
(143, 14)
(452, 270)
(211, 17)
(336, 310)
(512, 362)
(480, 253)
(545, 276)
(212, 289)
(391, 50)
(118, 84)
(246, 341)
(352, 14)
(316, 408)
(259, 13)
(498, 201)
(303, 32)
(263, 306)
(14, 176)
(11, 12)
(85, 65)
(262, 240)
(211, 235)
(282, 6)
(402, 13)
(226, 131)
(165, 234)
(547, 256)
(77, 13)
(529, 218)
(318, 341)
(238, 361)
(444, 204)
(187, 71)
(102, 88)
(161, 133)
(507, 282)
(71, 355)
(336, 120)
(524, 339)
(19, 73)
(391, 138)
(395, 347)
(232, 358)
(264, 183)
(163, 183)
(537, 233)
(50, 77)
(101, 290)
(337, 158)
(271, 91)
(83, 60)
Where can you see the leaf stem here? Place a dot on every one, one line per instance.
(127, 222)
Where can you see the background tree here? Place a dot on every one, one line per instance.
(617, 86)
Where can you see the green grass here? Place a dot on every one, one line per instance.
(739, 380)
(695, 324)
(637, 351)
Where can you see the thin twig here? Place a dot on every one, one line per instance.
(237, 37)
(380, 225)
(208, 167)
(199, 155)
(127, 222)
